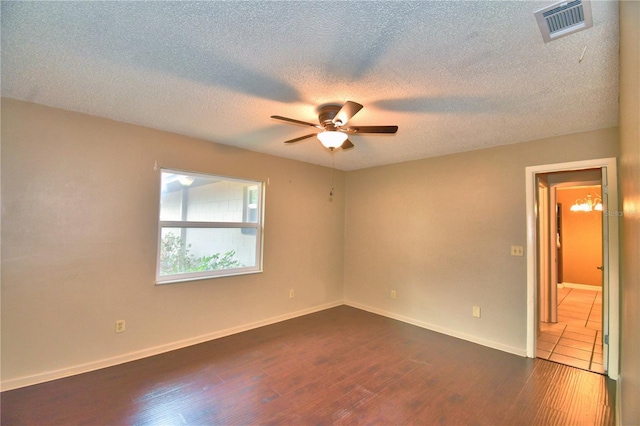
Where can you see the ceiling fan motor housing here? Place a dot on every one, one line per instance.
(327, 113)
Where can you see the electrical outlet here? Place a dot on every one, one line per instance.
(393, 294)
(291, 294)
(476, 311)
(120, 326)
(517, 251)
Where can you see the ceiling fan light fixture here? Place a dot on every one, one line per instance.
(332, 139)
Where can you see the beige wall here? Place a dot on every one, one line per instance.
(79, 230)
(630, 191)
(79, 233)
(438, 231)
(581, 238)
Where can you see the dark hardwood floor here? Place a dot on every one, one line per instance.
(339, 366)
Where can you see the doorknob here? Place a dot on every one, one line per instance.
(600, 267)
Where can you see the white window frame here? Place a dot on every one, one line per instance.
(254, 227)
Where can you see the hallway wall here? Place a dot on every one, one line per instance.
(581, 239)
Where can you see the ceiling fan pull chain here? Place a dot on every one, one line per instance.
(332, 167)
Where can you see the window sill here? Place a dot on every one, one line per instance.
(208, 277)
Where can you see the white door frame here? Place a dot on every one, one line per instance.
(547, 293)
(611, 294)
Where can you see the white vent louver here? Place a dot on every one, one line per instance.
(563, 18)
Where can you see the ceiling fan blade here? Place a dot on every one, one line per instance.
(291, 120)
(347, 144)
(348, 110)
(300, 138)
(373, 129)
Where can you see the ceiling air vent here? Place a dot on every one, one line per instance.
(563, 18)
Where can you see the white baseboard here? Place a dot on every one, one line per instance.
(136, 355)
(133, 356)
(582, 286)
(442, 330)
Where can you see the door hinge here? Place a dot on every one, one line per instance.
(605, 189)
(606, 339)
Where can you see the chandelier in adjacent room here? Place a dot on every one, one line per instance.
(587, 204)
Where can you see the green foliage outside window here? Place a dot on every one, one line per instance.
(176, 258)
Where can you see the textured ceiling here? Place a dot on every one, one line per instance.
(454, 76)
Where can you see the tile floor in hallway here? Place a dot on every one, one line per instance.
(576, 339)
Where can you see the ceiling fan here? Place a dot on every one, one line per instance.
(332, 118)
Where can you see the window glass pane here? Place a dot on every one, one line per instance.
(185, 250)
(210, 226)
(251, 204)
(198, 198)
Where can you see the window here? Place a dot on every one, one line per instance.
(210, 226)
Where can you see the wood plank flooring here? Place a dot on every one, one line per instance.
(341, 366)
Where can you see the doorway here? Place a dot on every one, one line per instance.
(570, 258)
(609, 295)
